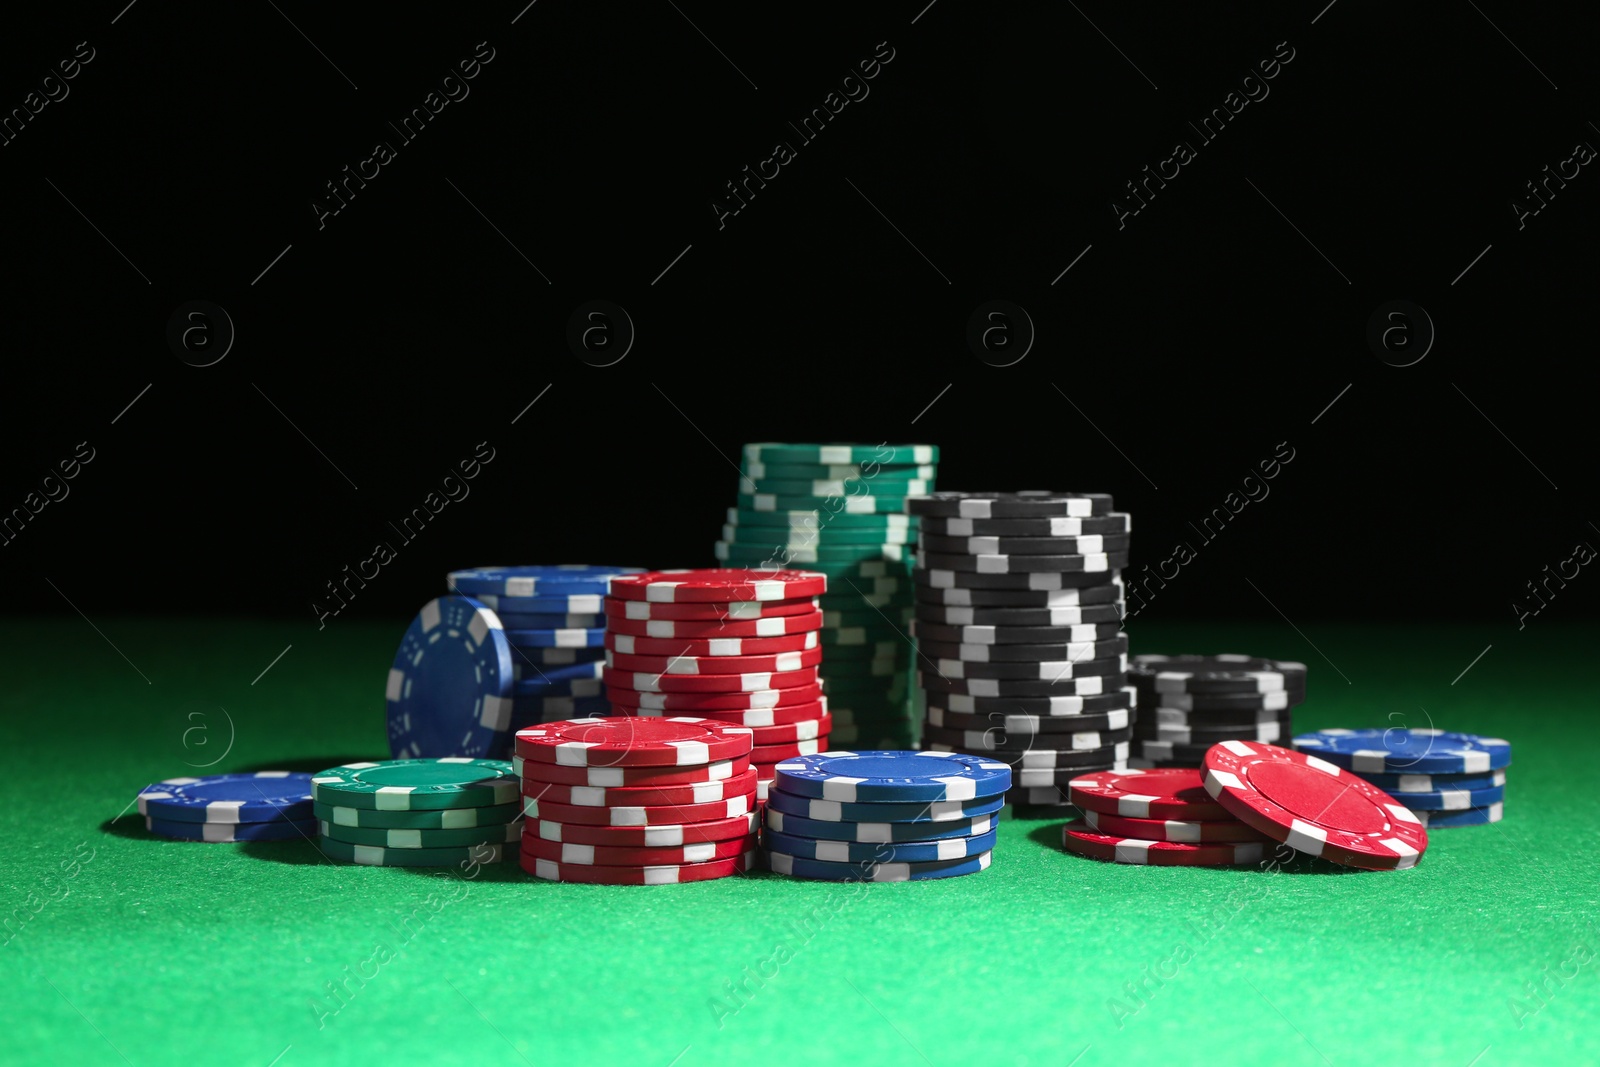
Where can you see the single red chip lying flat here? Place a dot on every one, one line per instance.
(1157, 853)
(718, 584)
(1190, 832)
(1313, 806)
(631, 742)
(1159, 793)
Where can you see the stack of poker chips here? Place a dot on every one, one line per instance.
(264, 806)
(637, 801)
(1447, 779)
(418, 812)
(840, 509)
(1160, 818)
(733, 645)
(1189, 703)
(890, 816)
(1020, 654)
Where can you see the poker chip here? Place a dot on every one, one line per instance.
(1176, 793)
(603, 856)
(701, 629)
(788, 715)
(534, 667)
(1215, 674)
(1452, 799)
(878, 832)
(611, 776)
(377, 856)
(786, 750)
(411, 784)
(1018, 635)
(1036, 758)
(1158, 853)
(981, 546)
(781, 540)
(870, 472)
(1042, 706)
(815, 520)
(1407, 751)
(589, 638)
(893, 776)
(439, 819)
(1191, 832)
(948, 848)
(1048, 671)
(712, 648)
(395, 838)
(264, 796)
(644, 836)
(1314, 806)
(1023, 505)
(1057, 778)
(1071, 597)
(1041, 582)
(1110, 524)
(1002, 741)
(844, 503)
(527, 711)
(1070, 652)
(720, 611)
(1026, 725)
(1009, 688)
(717, 585)
(641, 796)
(882, 454)
(550, 604)
(1216, 703)
(747, 555)
(633, 742)
(709, 683)
(874, 871)
(1396, 784)
(655, 815)
(1445, 820)
(694, 703)
(532, 621)
(665, 874)
(217, 832)
(820, 810)
(1269, 731)
(530, 582)
(449, 688)
(996, 564)
(777, 662)
(1178, 717)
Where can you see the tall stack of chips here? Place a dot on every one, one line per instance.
(1018, 624)
(839, 509)
(263, 806)
(418, 812)
(1447, 779)
(1189, 703)
(732, 645)
(637, 801)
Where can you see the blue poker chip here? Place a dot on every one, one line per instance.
(526, 711)
(265, 796)
(871, 871)
(531, 621)
(449, 690)
(894, 776)
(294, 830)
(877, 832)
(915, 811)
(1407, 751)
(1452, 799)
(561, 580)
(945, 848)
(593, 637)
(576, 604)
(580, 679)
(535, 662)
(1446, 820)
(1395, 784)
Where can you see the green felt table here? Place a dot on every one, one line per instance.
(123, 948)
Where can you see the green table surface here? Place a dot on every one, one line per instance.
(123, 948)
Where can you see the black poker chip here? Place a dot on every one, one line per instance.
(1054, 707)
(1207, 718)
(1111, 524)
(1215, 674)
(1070, 652)
(1091, 563)
(1027, 671)
(1024, 504)
(1089, 592)
(1085, 615)
(1005, 688)
(1023, 546)
(1272, 732)
(1048, 758)
(1021, 725)
(1273, 701)
(1017, 635)
(1016, 583)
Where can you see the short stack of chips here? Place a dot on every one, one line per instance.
(733, 645)
(889, 816)
(1447, 779)
(637, 801)
(264, 806)
(1160, 818)
(840, 509)
(452, 812)
(1189, 703)
(1021, 657)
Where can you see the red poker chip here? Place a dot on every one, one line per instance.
(708, 683)
(1189, 832)
(649, 815)
(1158, 793)
(702, 629)
(695, 703)
(751, 717)
(637, 796)
(788, 732)
(632, 742)
(781, 661)
(612, 777)
(666, 874)
(1158, 853)
(642, 836)
(779, 753)
(1313, 806)
(710, 646)
(713, 585)
(729, 611)
(601, 855)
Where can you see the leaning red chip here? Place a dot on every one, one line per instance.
(716, 584)
(636, 796)
(1158, 793)
(1313, 806)
(780, 661)
(775, 626)
(649, 815)
(633, 742)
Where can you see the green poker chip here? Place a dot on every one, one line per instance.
(812, 518)
(824, 553)
(423, 840)
(831, 454)
(882, 485)
(376, 856)
(417, 784)
(846, 504)
(768, 537)
(437, 819)
(902, 472)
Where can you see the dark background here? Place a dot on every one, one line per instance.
(423, 318)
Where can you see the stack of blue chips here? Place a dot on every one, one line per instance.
(1447, 779)
(263, 806)
(884, 816)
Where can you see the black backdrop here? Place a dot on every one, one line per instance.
(376, 346)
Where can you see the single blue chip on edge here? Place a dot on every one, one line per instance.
(449, 690)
